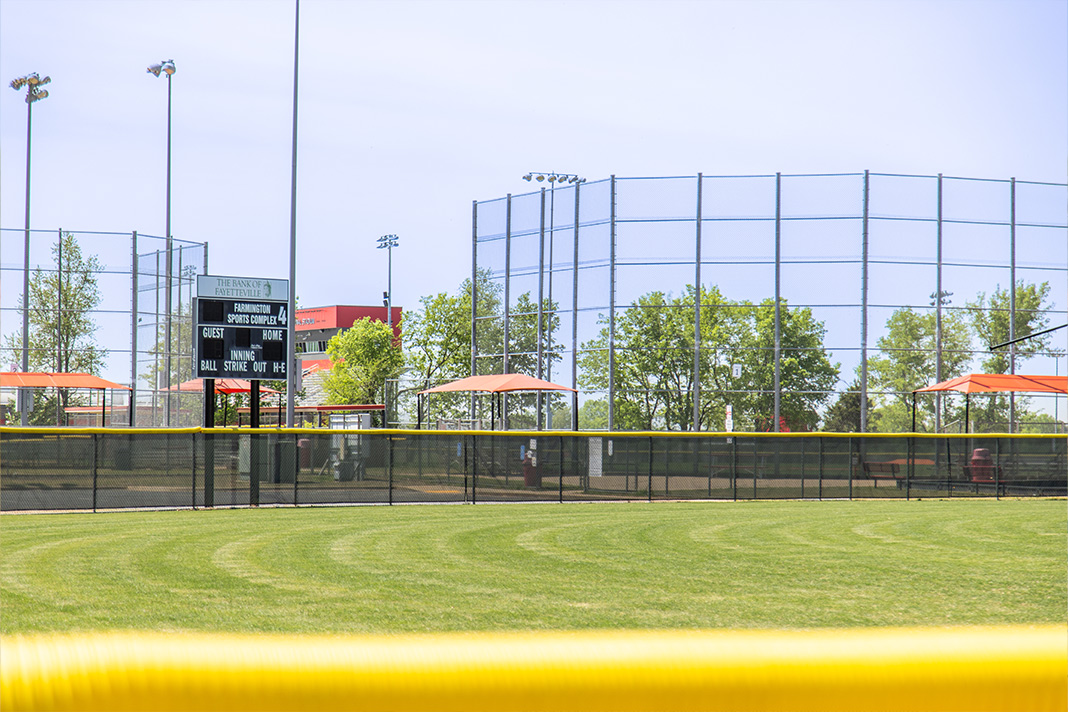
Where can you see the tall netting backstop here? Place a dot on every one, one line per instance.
(824, 300)
(107, 294)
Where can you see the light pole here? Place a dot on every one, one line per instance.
(167, 67)
(34, 93)
(554, 179)
(291, 355)
(388, 242)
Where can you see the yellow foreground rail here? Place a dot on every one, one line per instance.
(997, 668)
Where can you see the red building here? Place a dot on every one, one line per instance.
(315, 327)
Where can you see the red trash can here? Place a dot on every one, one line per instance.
(531, 476)
(982, 465)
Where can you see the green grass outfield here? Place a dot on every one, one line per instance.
(541, 566)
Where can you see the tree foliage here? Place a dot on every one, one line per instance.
(654, 369)
(907, 361)
(844, 414)
(806, 375)
(990, 318)
(364, 356)
(909, 351)
(61, 326)
(437, 340)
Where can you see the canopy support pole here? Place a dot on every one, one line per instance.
(914, 411)
(966, 430)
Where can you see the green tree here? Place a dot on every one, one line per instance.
(437, 348)
(844, 415)
(364, 356)
(523, 336)
(437, 343)
(155, 376)
(654, 379)
(489, 323)
(806, 374)
(907, 361)
(654, 363)
(990, 317)
(61, 338)
(593, 415)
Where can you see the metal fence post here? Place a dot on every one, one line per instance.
(612, 310)
(754, 468)
(474, 297)
(697, 321)
(710, 456)
(193, 489)
(253, 470)
(1012, 300)
(863, 311)
(133, 333)
(938, 317)
(560, 469)
(734, 468)
(820, 485)
(95, 456)
(908, 473)
(574, 317)
(778, 298)
(541, 304)
(468, 447)
(507, 305)
(850, 469)
(389, 466)
(296, 467)
(209, 469)
(997, 468)
(649, 493)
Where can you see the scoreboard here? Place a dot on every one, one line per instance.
(242, 328)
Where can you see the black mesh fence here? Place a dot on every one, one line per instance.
(91, 469)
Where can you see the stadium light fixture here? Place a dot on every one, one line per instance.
(164, 67)
(167, 67)
(34, 93)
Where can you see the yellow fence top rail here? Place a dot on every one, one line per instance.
(56, 430)
(997, 668)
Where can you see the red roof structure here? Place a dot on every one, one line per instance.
(222, 385)
(498, 383)
(10, 379)
(993, 382)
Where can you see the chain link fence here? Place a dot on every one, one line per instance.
(91, 469)
(105, 293)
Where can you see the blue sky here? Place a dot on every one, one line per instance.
(410, 110)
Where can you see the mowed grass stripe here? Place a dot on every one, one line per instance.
(523, 567)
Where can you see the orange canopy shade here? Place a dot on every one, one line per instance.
(498, 383)
(991, 382)
(222, 385)
(56, 380)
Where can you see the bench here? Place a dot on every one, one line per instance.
(883, 471)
